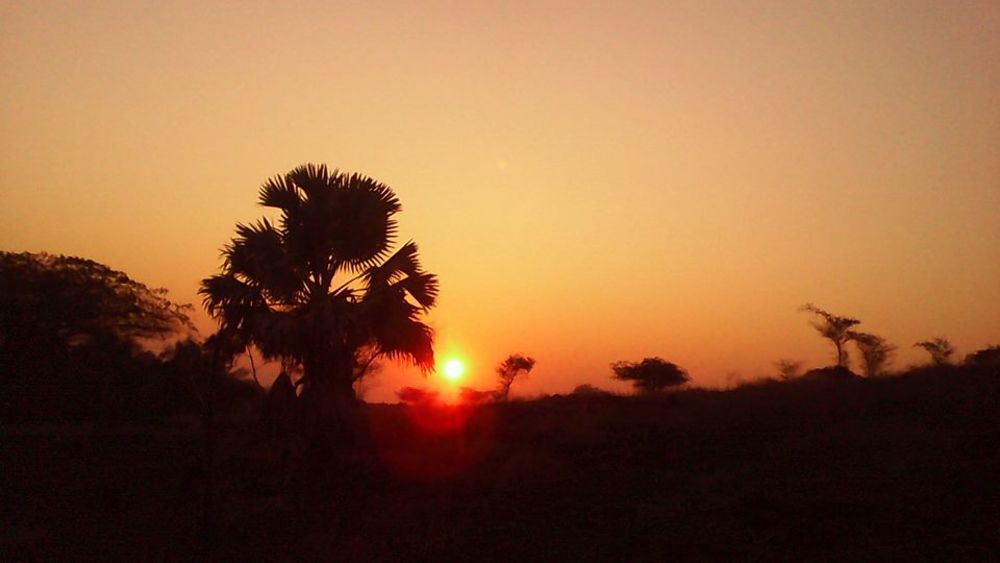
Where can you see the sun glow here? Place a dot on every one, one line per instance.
(454, 369)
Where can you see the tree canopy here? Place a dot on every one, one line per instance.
(509, 370)
(71, 339)
(651, 375)
(62, 302)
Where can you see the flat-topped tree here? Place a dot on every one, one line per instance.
(321, 287)
(651, 375)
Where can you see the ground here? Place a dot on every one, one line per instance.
(895, 468)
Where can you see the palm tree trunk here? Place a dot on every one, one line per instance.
(331, 405)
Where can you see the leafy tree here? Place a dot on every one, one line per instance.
(788, 369)
(939, 348)
(320, 288)
(876, 352)
(71, 335)
(64, 302)
(834, 328)
(651, 375)
(510, 369)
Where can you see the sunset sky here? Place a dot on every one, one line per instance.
(591, 181)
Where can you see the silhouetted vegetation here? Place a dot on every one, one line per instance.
(322, 289)
(834, 328)
(651, 375)
(939, 348)
(899, 468)
(989, 356)
(788, 369)
(822, 465)
(514, 366)
(876, 353)
(73, 336)
(588, 390)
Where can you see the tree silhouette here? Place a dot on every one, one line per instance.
(876, 352)
(72, 336)
(833, 328)
(939, 348)
(651, 375)
(510, 369)
(788, 369)
(64, 302)
(320, 288)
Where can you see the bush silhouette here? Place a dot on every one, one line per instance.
(989, 356)
(588, 390)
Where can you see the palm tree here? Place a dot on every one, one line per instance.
(320, 288)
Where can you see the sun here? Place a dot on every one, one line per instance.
(453, 369)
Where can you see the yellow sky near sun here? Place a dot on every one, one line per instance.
(591, 182)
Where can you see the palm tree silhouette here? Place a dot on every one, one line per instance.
(321, 287)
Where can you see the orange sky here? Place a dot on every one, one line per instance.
(591, 182)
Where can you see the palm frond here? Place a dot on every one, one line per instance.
(312, 179)
(278, 192)
(423, 288)
(258, 254)
(403, 262)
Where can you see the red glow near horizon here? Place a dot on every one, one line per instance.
(452, 437)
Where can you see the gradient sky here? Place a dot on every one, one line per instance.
(592, 182)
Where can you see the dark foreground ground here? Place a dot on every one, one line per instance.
(895, 469)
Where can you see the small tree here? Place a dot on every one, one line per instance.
(833, 328)
(939, 348)
(876, 352)
(788, 369)
(651, 375)
(510, 369)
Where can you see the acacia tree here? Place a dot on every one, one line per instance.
(876, 352)
(939, 348)
(834, 328)
(320, 288)
(510, 369)
(651, 375)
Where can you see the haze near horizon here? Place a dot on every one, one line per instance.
(590, 184)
